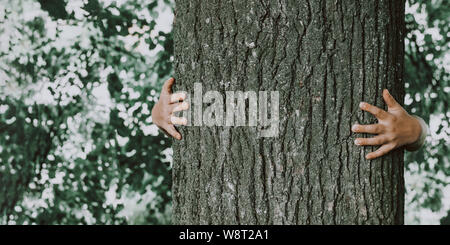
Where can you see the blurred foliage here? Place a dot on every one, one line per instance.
(78, 80)
(427, 67)
(67, 155)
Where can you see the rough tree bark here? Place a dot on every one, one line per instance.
(324, 57)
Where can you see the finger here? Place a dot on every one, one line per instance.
(377, 140)
(370, 129)
(383, 150)
(377, 112)
(167, 87)
(390, 101)
(177, 97)
(172, 131)
(178, 120)
(180, 106)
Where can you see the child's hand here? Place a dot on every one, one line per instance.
(395, 127)
(168, 103)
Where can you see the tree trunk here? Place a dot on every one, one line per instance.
(324, 58)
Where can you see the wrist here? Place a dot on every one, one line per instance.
(416, 130)
(420, 131)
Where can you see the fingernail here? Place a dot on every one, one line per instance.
(362, 104)
(354, 127)
(357, 142)
(368, 156)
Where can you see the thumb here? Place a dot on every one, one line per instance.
(167, 87)
(390, 101)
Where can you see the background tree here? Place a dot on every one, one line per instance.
(324, 58)
(427, 69)
(76, 143)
